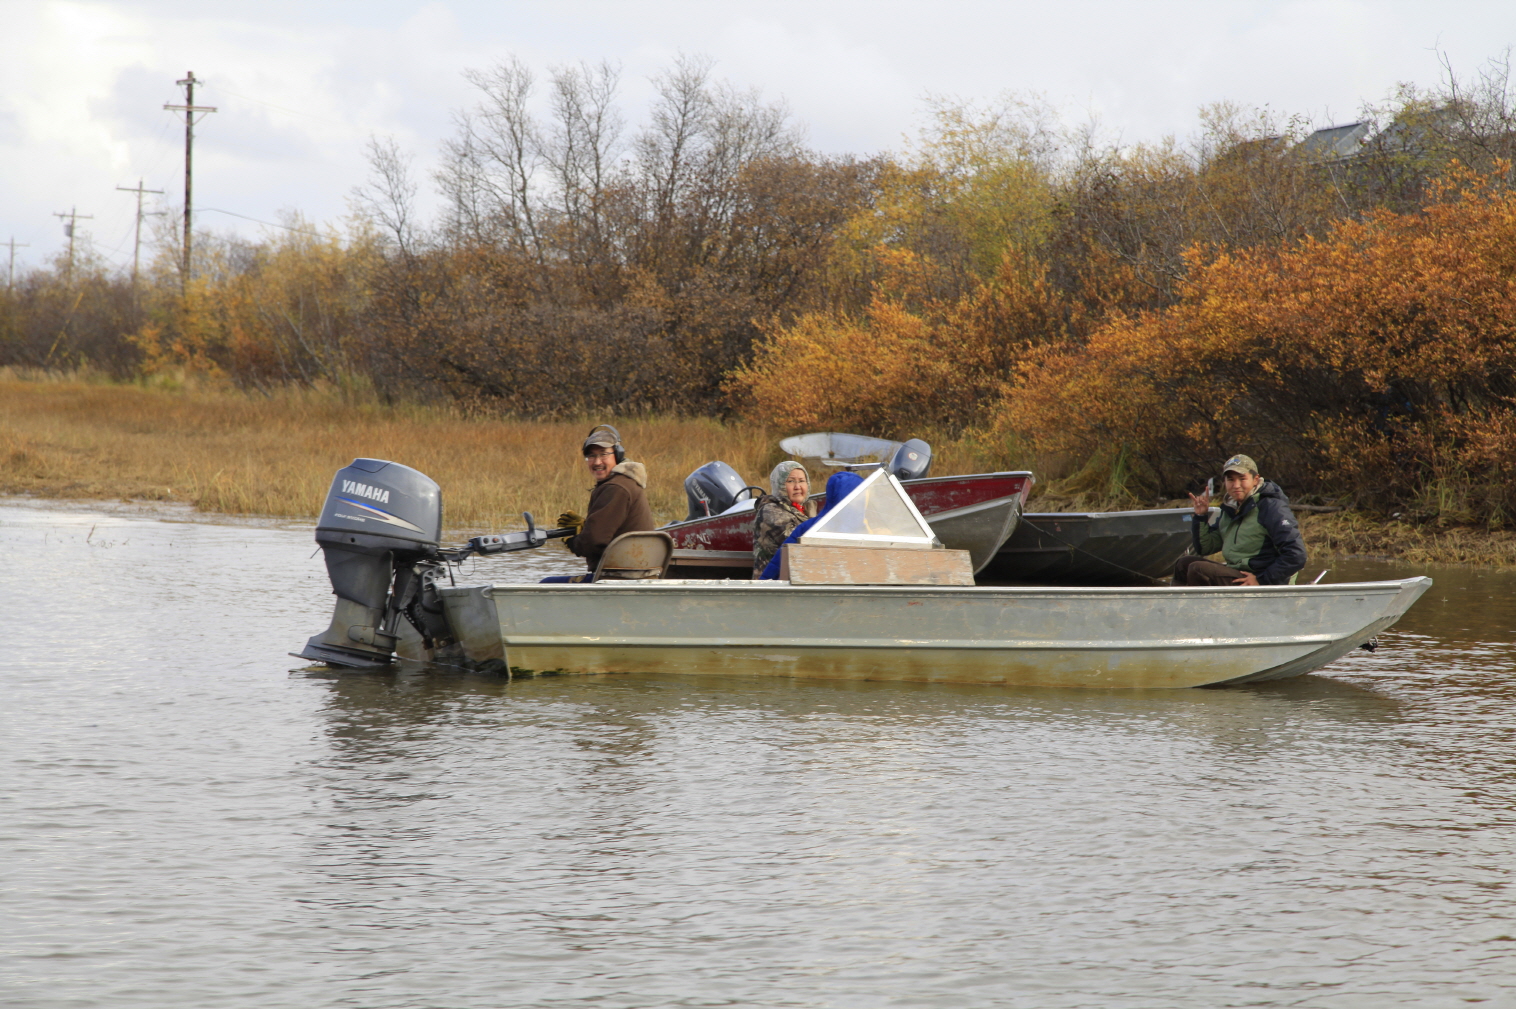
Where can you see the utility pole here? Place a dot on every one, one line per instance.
(68, 229)
(189, 108)
(137, 243)
(10, 282)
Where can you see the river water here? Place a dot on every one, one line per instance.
(189, 818)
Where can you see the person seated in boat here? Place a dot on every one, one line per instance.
(1254, 530)
(839, 486)
(618, 502)
(777, 514)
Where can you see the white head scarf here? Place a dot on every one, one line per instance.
(781, 473)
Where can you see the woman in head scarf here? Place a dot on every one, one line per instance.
(777, 513)
(838, 487)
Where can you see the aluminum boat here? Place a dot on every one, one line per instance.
(867, 593)
(1057, 637)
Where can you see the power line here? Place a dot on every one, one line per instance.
(281, 108)
(271, 224)
(189, 108)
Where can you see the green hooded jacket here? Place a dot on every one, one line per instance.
(1261, 535)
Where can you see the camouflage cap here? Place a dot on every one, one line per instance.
(1240, 464)
(600, 438)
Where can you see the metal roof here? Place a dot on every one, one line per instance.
(1334, 143)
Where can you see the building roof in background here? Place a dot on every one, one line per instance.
(1335, 143)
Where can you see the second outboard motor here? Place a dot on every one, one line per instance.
(379, 520)
(911, 461)
(712, 489)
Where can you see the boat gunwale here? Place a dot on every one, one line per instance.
(1175, 512)
(925, 644)
(1004, 501)
(1023, 591)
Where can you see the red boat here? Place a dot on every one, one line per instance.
(977, 512)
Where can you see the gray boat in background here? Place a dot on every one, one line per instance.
(1061, 548)
(1093, 547)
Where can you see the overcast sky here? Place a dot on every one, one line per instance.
(301, 85)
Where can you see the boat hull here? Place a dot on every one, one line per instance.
(1095, 637)
(1091, 547)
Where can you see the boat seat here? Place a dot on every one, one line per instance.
(636, 555)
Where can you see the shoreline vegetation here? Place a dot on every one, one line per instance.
(273, 454)
(1338, 302)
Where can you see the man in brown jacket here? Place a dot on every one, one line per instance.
(618, 503)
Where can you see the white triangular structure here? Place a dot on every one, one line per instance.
(878, 513)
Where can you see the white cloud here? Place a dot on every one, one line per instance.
(301, 86)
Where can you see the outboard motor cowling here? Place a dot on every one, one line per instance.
(911, 461)
(380, 518)
(712, 489)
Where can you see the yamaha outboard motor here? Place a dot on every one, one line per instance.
(379, 520)
(712, 489)
(911, 461)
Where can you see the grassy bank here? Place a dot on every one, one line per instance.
(249, 454)
(1354, 534)
(235, 453)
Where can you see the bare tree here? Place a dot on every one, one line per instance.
(689, 160)
(666, 148)
(500, 153)
(581, 146)
(460, 181)
(389, 198)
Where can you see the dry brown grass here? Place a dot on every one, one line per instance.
(236, 453)
(1353, 534)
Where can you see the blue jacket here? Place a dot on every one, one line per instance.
(838, 486)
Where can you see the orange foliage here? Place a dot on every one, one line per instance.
(1379, 359)
(911, 363)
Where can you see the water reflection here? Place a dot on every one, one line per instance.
(893, 824)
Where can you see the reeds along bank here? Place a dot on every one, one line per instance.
(275, 453)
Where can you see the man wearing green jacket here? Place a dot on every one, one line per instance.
(1254, 530)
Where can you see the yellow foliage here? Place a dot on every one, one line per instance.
(978, 185)
(284, 311)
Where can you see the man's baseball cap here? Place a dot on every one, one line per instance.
(1240, 464)
(599, 438)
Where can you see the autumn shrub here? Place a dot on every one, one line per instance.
(1378, 362)
(912, 363)
(289, 310)
(68, 316)
(976, 181)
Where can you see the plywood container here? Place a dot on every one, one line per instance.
(804, 564)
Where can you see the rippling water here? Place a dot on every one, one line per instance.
(189, 819)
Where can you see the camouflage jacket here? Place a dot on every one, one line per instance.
(774, 518)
